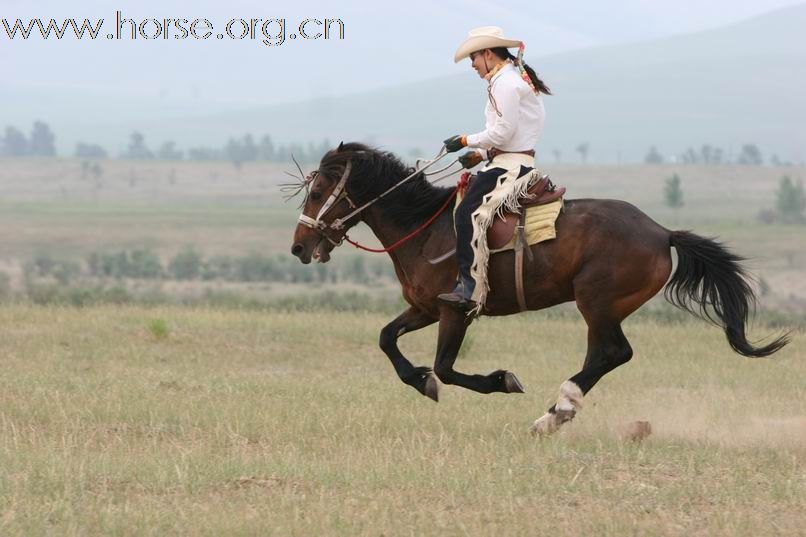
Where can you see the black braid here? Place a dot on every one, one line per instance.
(505, 54)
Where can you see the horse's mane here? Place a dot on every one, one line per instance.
(373, 172)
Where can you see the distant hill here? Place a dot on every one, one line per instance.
(738, 84)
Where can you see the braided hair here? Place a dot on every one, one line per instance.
(505, 54)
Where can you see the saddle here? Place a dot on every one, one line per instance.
(540, 193)
(503, 228)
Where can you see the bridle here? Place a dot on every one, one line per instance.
(339, 193)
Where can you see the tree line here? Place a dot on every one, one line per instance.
(247, 148)
(189, 265)
(749, 155)
(238, 150)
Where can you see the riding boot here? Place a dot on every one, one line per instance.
(461, 296)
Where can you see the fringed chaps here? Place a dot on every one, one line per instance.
(511, 186)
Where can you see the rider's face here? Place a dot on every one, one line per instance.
(477, 60)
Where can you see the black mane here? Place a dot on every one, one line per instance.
(373, 172)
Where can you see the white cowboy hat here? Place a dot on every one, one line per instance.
(483, 38)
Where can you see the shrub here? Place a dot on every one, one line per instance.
(186, 265)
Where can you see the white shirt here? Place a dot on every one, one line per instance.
(520, 125)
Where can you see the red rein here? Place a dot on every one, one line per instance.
(461, 185)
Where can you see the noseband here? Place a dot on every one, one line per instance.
(339, 193)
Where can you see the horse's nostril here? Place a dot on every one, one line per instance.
(297, 250)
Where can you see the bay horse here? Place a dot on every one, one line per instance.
(608, 257)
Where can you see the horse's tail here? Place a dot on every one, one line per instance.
(709, 282)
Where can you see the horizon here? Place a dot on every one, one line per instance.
(107, 109)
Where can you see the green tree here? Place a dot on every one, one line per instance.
(653, 156)
(265, 149)
(137, 148)
(42, 139)
(790, 200)
(15, 144)
(144, 264)
(90, 151)
(750, 155)
(673, 194)
(234, 153)
(249, 150)
(168, 151)
(186, 265)
(5, 285)
(358, 269)
(583, 150)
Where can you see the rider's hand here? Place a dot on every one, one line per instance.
(455, 143)
(470, 159)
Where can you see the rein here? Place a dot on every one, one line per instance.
(338, 223)
(461, 185)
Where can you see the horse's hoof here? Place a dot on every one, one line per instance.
(512, 384)
(545, 425)
(431, 389)
(564, 415)
(424, 381)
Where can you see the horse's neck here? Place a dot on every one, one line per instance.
(413, 255)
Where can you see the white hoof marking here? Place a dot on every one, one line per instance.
(570, 400)
(568, 404)
(545, 425)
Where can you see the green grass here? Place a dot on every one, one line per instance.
(295, 424)
(159, 328)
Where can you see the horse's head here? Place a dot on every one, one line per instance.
(328, 209)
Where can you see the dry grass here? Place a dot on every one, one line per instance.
(276, 424)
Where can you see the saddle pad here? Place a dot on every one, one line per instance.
(540, 224)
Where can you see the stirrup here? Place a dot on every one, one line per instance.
(460, 297)
(457, 301)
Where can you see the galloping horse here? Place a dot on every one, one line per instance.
(608, 256)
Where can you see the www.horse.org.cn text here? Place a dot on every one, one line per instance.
(271, 32)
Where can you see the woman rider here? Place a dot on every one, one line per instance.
(514, 123)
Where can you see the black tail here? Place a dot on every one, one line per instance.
(710, 283)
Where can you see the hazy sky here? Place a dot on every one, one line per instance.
(383, 45)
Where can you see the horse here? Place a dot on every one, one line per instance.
(608, 256)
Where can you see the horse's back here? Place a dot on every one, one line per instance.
(609, 221)
(609, 241)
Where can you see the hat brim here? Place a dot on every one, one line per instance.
(481, 42)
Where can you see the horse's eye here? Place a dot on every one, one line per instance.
(316, 196)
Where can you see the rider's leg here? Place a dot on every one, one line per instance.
(483, 184)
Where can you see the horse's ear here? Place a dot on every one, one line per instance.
(340, 148)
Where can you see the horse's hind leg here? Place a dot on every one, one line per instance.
(608, 348)
(604, 307)
(421, 378)
(452, 328)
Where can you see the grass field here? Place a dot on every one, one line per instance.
(51, 205)
(131, 421)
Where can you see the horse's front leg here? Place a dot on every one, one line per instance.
(452, 328)
(421, 378)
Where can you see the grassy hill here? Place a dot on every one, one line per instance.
(738, 84)
(730, 86)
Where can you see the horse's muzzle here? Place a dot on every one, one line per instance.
(298, 250)
(321, 251)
